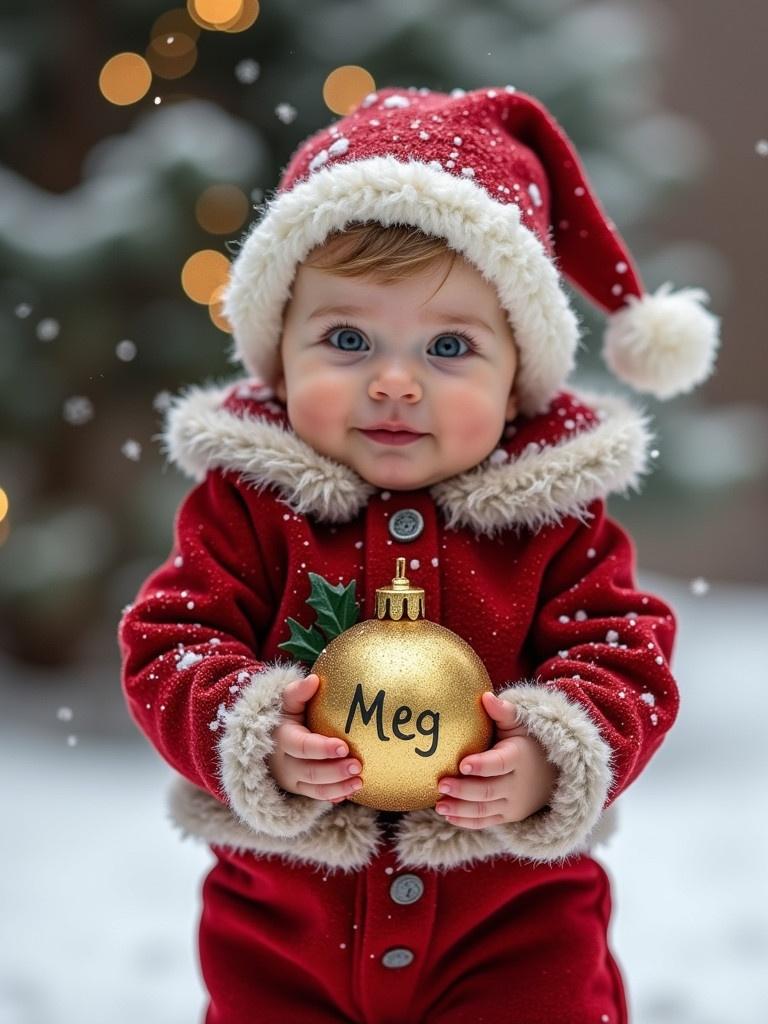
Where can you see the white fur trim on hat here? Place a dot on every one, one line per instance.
(664, 343)
(487, 233)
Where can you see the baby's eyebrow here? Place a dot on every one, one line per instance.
(437, 316)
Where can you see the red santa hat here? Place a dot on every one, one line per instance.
(493, 174)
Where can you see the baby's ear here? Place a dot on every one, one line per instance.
(512, 409)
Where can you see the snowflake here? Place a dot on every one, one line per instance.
(339, 147)
(247, 71)
(611, 636)
(286, 113)
(397, 101)
(131, 449)
(761, 147)
(78, 410)
(189, 659)
(48, 329)
(699, 586)
(535, 194)
(318, 160)
(125, 350)
(648, 698)
(64, 714)
(162, 401)
(23, 310)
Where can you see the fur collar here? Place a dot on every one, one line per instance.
(546, 467)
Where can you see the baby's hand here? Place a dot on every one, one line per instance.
(305, 762)
(509, 782)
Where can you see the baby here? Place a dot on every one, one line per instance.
(407, 340)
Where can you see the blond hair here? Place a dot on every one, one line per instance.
(387, 254)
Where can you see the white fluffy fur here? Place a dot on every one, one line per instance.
(664, 343)
(244, 746)
(487, 233)
(530, 491)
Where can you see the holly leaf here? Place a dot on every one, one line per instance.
(304, 644)
(336, 610)
(336, 607)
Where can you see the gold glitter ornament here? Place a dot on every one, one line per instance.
(404, 694)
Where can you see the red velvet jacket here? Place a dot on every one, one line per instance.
(517, 556)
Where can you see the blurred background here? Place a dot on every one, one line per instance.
(137, 140)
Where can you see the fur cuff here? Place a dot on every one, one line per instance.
(243, 749)
(574, 745)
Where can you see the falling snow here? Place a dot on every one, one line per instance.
(78, 410)
(47, 329)
(162, 401)
(126, 350)
(286, 113)
(699, 586)
(131, 449)
(247, 71)
(23, 310)
(64, 714)
(761, 147)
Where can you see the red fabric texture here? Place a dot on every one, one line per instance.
(507, 943)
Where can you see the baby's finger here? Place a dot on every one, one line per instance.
(298, 741)
(324, 773)
(297, 694)
(499, 760)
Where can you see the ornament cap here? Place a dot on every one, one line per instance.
(401, 598)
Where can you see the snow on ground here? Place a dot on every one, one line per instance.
(100, 897)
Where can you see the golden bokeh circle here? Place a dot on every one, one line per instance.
(175, 22)
(125, 78)
(346, 87)
(203, 273)
(216, 311)
(171, 67)
(222, 209)
(171, 45)
(245, 18)
(3, 504)
(212, 14)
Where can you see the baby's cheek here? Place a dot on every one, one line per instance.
(475, 422)
(318, 410)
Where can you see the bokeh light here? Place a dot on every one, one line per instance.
(346, 87)
(203, 273)
(222, 209)
(3, 504)
(176, 22)
(171, 59)
(125, 79)
(245, 18)
(216, 310)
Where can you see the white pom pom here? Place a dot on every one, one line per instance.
(664, 343)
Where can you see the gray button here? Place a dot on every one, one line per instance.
(398, 957)
(406, 889)
(407, 524)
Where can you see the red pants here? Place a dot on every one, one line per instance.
(505, 942)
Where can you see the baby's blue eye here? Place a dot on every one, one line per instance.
(347, 339)
(445, 345)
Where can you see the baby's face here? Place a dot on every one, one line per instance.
(356, 353)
